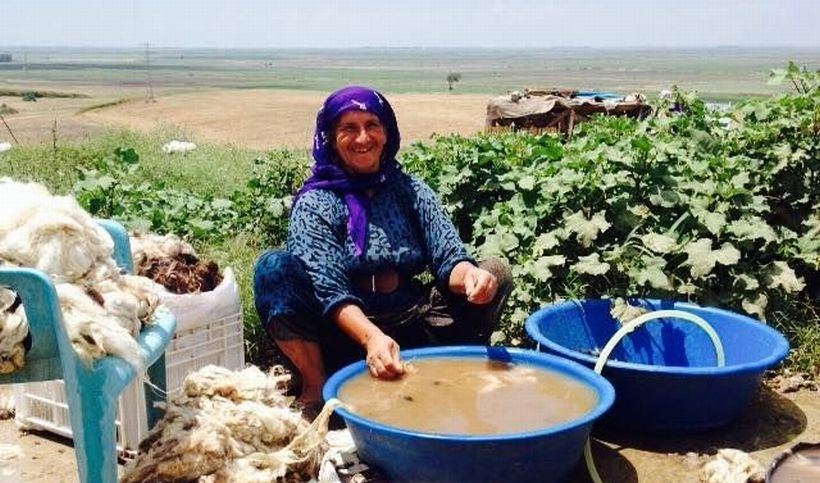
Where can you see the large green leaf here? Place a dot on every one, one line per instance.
(590, 265)
(780, 275)
(586, 229)
(659, 243)
(702, 259)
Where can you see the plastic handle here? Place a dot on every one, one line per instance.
(659, 314)
(629, 327)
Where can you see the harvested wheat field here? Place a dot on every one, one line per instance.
(250, 118)
(265, 119)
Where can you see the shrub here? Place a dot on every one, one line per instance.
(673, 206)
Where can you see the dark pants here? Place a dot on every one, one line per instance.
(288, 309)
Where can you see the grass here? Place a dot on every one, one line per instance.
(806, 355)
(35, 93)
(210, 169)
(718, 74)
(103, 105)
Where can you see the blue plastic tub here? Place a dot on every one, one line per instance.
(546, 455)
(665, 372)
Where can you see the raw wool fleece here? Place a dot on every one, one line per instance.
(232, 426)
(13, 332)
(103, 310)
(172, 263)
(732, 466)
(149, 246)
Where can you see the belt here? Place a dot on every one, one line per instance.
(383, 281)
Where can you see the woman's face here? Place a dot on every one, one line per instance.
(359, 141)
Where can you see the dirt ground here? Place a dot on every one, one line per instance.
(772, 423)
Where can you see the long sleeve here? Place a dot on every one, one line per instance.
(444, 248)
(408, 231)
(317, 235)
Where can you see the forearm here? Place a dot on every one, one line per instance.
(381, 351)
(354, 323)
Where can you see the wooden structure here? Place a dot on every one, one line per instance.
(558, 111)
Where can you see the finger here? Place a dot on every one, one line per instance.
(470, 283)
(479, 297)
(395, 365)
(469, 287)
(386, 362)
(480, 282)
(489, 291)
(375, 367)
(392, 371)
(485, 294)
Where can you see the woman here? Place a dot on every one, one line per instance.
(360, 232)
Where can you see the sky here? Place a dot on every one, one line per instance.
(410, 23)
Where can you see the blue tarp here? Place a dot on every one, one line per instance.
(598, 94)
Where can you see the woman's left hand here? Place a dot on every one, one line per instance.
(479, 286)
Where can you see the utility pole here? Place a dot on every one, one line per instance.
(149, 89)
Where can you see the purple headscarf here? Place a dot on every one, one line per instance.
(327, 172)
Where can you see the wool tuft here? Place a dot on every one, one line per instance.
(103, 310)
(232, 426)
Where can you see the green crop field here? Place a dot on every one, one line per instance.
(718, 74)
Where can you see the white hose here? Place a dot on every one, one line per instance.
(629, 327)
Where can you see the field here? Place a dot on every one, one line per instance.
(264, 99)
(239, 103)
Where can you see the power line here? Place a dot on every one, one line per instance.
(149, 89)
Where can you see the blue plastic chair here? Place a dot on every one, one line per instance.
(92, 391)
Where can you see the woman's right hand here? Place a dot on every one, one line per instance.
(383, 359)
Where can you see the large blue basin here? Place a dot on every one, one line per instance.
(544, 455)
(665, 373)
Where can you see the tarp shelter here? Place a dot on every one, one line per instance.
(559, 110)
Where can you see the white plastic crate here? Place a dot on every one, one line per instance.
(219, 342)
(43, 406)
(214, 336)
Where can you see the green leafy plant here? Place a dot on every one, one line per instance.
(264, 204)
(108, 190)
(691, 203)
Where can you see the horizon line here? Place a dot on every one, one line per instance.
(142, 46)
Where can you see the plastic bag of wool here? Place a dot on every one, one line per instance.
(173, 263)
(206, 304)
(194, 291)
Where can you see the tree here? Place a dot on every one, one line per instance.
(452, 78)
